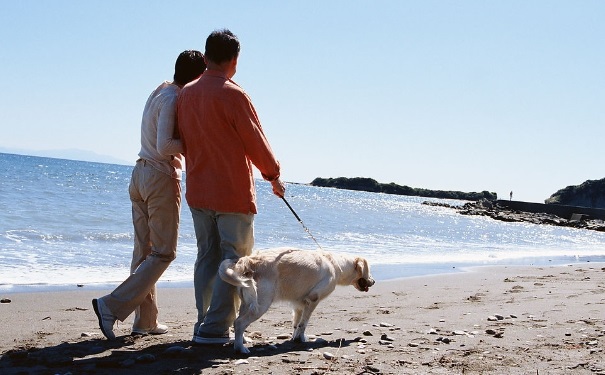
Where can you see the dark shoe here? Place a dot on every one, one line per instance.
(211, 339)
(106, 318)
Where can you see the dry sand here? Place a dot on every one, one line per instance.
(496, 320)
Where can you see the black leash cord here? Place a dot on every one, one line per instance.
(301, 222)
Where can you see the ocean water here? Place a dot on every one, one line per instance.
(66, 224)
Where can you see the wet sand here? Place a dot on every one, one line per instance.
(489, 320)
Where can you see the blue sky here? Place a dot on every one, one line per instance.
(449, 95)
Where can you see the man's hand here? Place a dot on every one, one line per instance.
(279, 188)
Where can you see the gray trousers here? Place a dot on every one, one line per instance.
(220, 235)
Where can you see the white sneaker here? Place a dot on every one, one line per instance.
(106, 318)
(160, 329)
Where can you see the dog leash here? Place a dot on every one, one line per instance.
(301, 222)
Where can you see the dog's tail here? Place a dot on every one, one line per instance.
(236, 272)
(231, 272)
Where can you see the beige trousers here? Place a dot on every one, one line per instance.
(156, 206)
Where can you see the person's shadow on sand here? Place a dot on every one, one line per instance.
(100, 356)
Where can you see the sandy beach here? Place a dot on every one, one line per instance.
(488, 320)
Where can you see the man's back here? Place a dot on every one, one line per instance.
(222, 136)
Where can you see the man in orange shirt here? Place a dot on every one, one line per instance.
(222, 138)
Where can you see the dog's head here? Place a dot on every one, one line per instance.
(363, 280)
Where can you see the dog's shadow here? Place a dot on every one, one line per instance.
(100, 356)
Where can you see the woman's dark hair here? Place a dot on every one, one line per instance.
(222, 45)
(189, 65)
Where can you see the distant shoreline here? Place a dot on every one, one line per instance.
(73, 155)
(373, 186)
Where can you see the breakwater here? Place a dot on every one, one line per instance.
(562, 211)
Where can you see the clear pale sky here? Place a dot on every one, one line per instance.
(448, 95)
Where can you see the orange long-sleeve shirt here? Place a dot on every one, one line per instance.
(222, 138)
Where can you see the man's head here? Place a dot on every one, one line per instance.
(189, 66)
(222, 47)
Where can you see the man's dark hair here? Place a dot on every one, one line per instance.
(189, 65)
(221, 46)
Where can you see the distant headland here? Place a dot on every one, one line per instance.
(371, 185)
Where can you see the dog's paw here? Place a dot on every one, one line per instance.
(300, 338)
(240, 349)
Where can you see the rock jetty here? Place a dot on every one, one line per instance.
(484, 207)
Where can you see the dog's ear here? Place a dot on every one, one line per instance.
(361, 266)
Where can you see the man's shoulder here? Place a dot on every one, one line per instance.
(213, 87)
(234, 86)
(236, 91)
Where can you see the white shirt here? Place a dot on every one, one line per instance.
(158, 145)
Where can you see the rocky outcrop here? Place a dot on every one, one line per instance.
(371, 185)
(591, 193)
(495, 211)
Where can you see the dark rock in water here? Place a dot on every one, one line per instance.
(484, 207)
